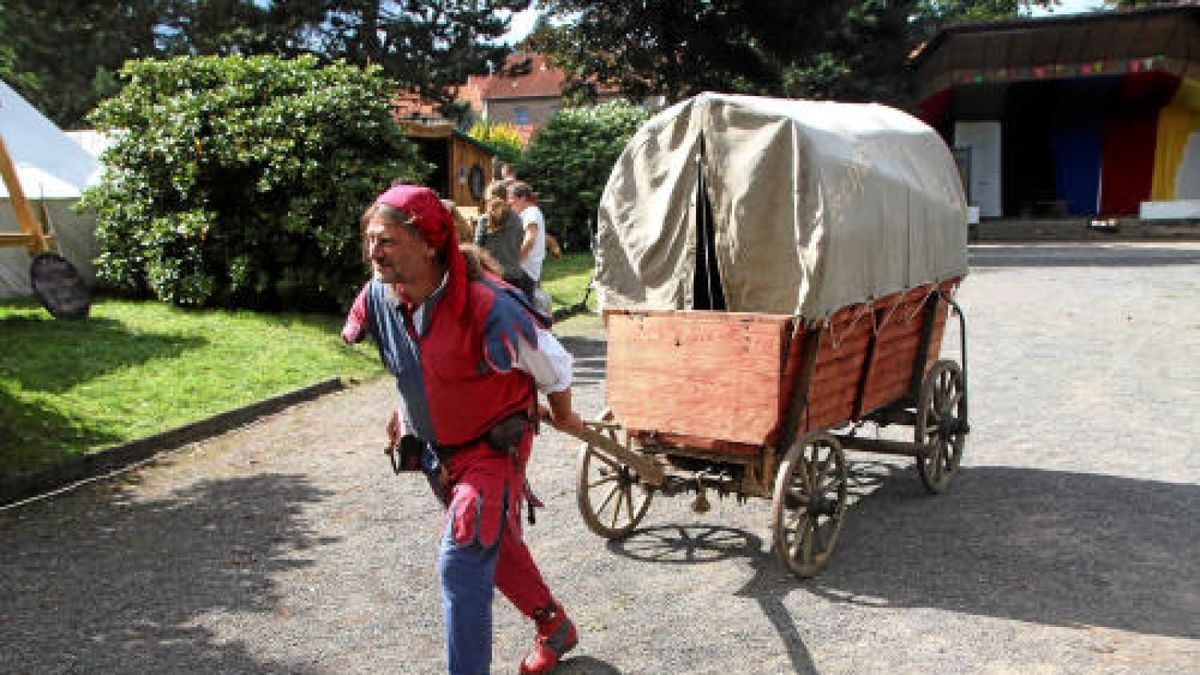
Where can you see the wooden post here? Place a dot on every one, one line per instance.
(33, 238)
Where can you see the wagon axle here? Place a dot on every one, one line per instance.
(701, 482)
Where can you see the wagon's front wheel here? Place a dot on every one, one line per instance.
(612, 497)
(809, 503)
(941, 424)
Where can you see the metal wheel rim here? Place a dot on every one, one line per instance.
(611, 496)
(809, 503)
(941, 412)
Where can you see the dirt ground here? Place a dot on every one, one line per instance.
(1069, 542)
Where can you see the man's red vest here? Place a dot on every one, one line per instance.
(469, 379)
(467, 382)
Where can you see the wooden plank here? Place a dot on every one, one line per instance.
(37, 242)
(704, 374)
(827, 416)
(900, 325)
(707, 445)
(12, 239)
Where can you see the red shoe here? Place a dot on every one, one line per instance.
(556, 636)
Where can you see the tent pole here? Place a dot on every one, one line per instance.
(33, 238)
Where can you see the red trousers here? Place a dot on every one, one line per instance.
(485, 497)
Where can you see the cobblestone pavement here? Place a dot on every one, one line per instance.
(1068, 543)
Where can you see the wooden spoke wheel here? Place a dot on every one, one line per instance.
(809, 503)
(612, 496)
(942, 423)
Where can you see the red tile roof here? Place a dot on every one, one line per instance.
(408, 105)
(542, 81)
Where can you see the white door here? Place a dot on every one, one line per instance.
(983, 139)
(1187, 178)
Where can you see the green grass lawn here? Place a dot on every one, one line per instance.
(137, 368)
(566, 279)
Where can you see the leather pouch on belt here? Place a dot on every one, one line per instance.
(507, 434)
(406, 455)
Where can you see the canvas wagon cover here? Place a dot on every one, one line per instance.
(814, 205)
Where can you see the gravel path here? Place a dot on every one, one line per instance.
(1069, 543)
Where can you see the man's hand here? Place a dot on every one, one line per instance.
(561, 415)
(571, 423)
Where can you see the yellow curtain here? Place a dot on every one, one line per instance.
(1176, 121)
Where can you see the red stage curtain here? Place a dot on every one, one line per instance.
(1127, 170)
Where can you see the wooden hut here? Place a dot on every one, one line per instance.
(462, 165)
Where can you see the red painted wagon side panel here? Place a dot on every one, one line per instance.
(838, 369)
(899, 323)
(722, 382)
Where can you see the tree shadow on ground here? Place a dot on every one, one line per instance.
(97, 584)
(26, 447)
(1049, 547)
(43, 354)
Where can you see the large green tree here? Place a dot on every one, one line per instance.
(429, 47)
(849, 49)
(66, 53)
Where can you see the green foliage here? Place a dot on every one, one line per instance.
(846, 49)
(677, 48)
(568, 161)
(64, 53)
(239, 181)
(504, 138)
(428, 47)
(1133, 4)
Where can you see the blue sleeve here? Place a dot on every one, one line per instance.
(506, 322)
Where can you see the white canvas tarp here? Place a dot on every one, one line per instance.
(53, 171)
(814, 206)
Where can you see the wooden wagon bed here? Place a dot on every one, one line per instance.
(721, 382)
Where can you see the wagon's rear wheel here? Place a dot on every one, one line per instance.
(809, 503)
(612, 497)
(942, 423)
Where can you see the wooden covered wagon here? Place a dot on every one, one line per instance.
(773, 275)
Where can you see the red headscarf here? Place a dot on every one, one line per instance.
(436, 226)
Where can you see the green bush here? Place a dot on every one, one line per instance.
(568, 161)
(503, 138)
(239, 181)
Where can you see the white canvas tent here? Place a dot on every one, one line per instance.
(813, 206)
(53, 170)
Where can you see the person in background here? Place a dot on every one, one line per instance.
(508, 177)
(469, 358)
(499, 232)
(533, 223)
